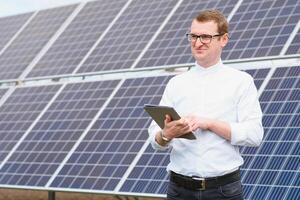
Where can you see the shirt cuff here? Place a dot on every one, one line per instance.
(157, 146)
(238, 136)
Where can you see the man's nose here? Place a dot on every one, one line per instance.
(198, 42)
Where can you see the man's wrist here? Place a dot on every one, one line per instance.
(163, 137)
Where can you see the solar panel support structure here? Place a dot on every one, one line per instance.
(126, 198)
(51, 195)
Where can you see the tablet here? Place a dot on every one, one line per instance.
(158, 114)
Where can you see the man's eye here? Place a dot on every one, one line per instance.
(206, 36)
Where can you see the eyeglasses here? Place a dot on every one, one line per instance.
(204, 38)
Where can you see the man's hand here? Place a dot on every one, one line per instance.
(175, 128)
(187, 124)
(220, 128)
(198, 122)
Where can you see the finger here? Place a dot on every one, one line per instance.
(194, 127)
(168, 118)
(186, 130)
(181, 125)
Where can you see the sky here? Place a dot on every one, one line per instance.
(13, 7)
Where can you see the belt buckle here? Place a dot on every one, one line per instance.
(202, 184)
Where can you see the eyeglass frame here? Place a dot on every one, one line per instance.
(201, 37)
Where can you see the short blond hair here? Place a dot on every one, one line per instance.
(216, 16)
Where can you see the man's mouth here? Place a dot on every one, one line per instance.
(200, 50)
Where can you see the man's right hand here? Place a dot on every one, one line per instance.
(175, 128)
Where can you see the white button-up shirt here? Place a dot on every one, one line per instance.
(218, 92)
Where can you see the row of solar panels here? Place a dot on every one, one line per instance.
(91, 136)
(107, 35)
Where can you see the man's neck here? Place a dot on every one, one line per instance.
(207, 65)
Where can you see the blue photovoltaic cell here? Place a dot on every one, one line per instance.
(9, 26)
(113, 142)
(271, 171)
(2, 92)
(294, 47)
(19, 111)
(53, 136)
(128, 36)
(259, 75)
(171, 45)
(261, 28)
(149, 175)
(33, 38)
(74, 43)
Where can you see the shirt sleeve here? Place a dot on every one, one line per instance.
(248, 130)
(154, 128)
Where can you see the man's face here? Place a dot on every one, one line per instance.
(207, 54)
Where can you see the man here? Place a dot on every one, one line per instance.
(220, 105)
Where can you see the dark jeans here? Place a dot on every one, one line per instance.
(231, 191)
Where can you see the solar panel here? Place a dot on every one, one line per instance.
(272, 170)
(129, 36)
(32, 39)
(259, 75)
(294, 47)
(171, 46)
(9, 27)
(74, 43)
(19, 111)
(149, 174)
(261, 28)
(53, 136)
(115, 139)
(2, 92)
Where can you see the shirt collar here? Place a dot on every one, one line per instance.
(200, 69)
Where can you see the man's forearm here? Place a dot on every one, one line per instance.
(221, 128)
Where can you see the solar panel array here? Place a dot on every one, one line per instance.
(128, 36)
(78, 38)
(21, 52)
(272, 170)
(53, 136)
(264, 24)
(91, 135)
(18, 112)
(9, 26)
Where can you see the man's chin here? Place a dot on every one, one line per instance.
(200, 56)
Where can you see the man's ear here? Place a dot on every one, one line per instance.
(224, 39)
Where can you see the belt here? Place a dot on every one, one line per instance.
(195, 183)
